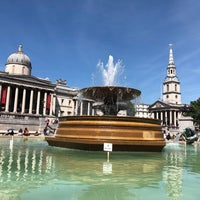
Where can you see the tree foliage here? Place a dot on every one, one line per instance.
(195, 111)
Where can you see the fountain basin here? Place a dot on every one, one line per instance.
(125, 133)
(116, 93)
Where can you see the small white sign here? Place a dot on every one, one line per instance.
(107, 146)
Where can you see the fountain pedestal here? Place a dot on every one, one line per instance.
(125, 133)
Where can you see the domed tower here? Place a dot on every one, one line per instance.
(171, 84)
(18, 63)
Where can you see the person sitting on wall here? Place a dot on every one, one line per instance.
(10, 132)
(36, 133)
(46, 132)
(47, 122)
(168, 137)
(20, 132)
(26, 132)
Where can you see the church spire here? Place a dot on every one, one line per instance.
(171, 69)
(171, 59)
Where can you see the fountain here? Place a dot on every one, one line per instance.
(189, 136)
(125, 133)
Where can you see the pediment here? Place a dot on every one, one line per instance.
(159, 104)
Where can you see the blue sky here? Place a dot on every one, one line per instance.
(65, 39)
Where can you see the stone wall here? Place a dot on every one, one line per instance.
(19, 121)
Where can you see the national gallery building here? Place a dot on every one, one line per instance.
(27, 101)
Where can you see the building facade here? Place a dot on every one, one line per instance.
(26, 100)
(142, 110)
(169, 109)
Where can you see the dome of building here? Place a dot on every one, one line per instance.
(18, 63)
(19, 58)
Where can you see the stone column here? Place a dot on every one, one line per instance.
(161, 116)
(0, 91)
(166, 118)
(7, 99)
(93, 111)
(174, 118)
(88, 109)
(170, 117)
(81, 109)
(178, 117)
(157, 115)
(51, 105)
(16, 99)
(76, 110)
(31, 102)
(24, 100)
(38, 103)
(44, 103)
(54, 105)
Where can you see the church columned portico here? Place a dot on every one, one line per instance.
(168, 118)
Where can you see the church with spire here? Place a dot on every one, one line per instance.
(171, 84)
(170, 109)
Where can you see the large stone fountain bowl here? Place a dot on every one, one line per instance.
(125, 133)
(111, 99)
(99, 93)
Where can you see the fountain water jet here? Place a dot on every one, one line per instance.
(125, 133)
(110, 72)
